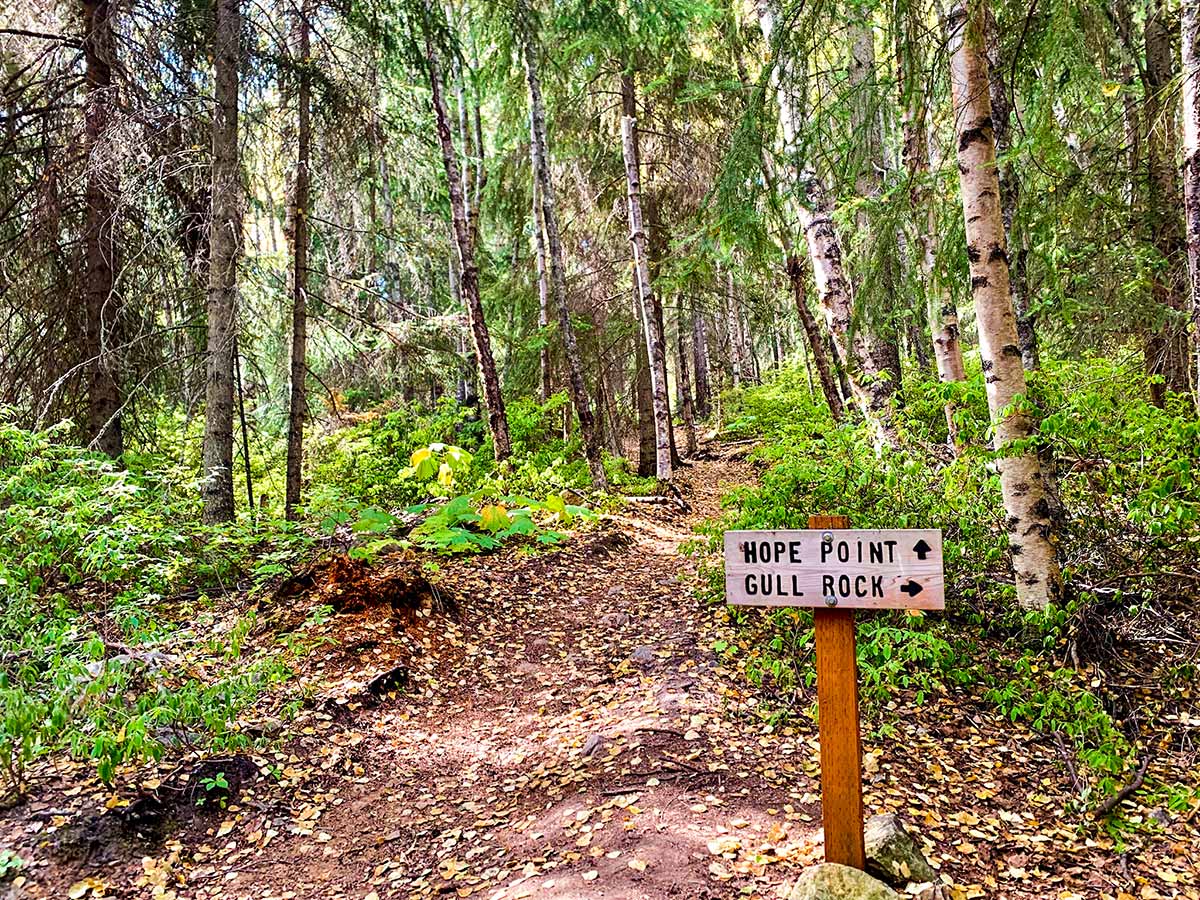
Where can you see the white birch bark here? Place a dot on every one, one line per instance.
(540, 157)
(641, 265)
(1190, 27)
(539, 255)
(1035, 563)
(872, 387)
(917, 131)
(731, 331)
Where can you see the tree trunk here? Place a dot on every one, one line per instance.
(644, 401)
(879, 243)
(868, 374)
(812, 334)
(297, 234)
(1035, 564)
(731, 331)
(1010, 194)
(651, 312)
(102, 305)
(942, 312)
(468, 271)
(558, 277)
(539, 253)
(700, 357)
(866, 361)
(224, 250)
(1191, 169)
(464, 139)
(656, 249)
(660, 336)
(685, 386)
(1165, 347)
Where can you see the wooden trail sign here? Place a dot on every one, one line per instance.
(836, 570)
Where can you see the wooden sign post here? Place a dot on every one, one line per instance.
(836, 570)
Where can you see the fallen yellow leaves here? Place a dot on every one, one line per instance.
(93, 886)
(453, 867)
(724, 845)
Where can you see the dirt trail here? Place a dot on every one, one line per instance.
(579, 746)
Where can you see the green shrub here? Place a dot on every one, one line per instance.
(467, 523)
(99, 652)
(1127, 477)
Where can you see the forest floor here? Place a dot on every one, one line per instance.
(560, 727)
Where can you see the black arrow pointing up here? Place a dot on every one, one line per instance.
(922, 549)
(911, 588)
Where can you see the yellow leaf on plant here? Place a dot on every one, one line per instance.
(494, 517)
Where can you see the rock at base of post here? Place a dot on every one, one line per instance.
(893, 854)
(831, 881)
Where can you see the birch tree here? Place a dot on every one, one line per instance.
(867, 368)
(1035, 563)
(1010, 194)
(224, 250)
(656, 351)
(543, 287)
(877, 245)
(1190, 27)
(539, 150)
(814, 340)
(915, 153)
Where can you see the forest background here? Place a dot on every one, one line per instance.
(290, 277)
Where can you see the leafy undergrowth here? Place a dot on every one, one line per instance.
(370, 463)
(1109, 676)
(131, 632)
(114, 643)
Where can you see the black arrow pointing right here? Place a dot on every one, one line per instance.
(911, 588)
(922, 549)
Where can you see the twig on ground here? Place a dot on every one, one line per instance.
(1126, 792)
(1069, 759)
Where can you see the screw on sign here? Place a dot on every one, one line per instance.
(836, 570)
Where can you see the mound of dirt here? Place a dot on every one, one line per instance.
(351, 585)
